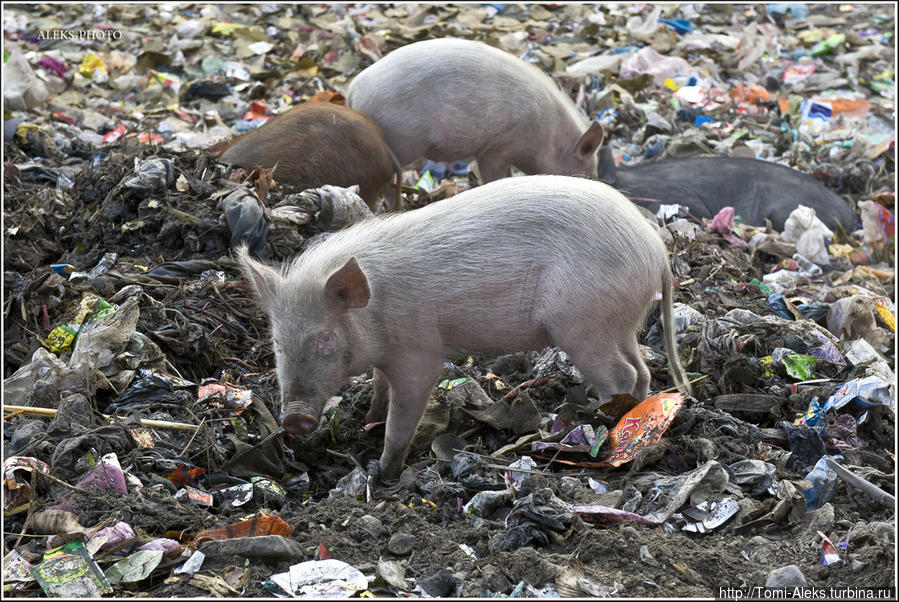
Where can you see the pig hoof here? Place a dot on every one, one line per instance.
(377, 475)
(374, 470)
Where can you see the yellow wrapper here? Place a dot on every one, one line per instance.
(61, 339)
(90, 63)
(888, 318)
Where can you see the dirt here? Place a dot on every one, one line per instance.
(208, 328)
(203, 326)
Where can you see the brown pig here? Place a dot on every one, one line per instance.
(517, 264)
(318, 143)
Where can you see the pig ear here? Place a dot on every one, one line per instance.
(263, 278)
(349, 286)
(590, 141)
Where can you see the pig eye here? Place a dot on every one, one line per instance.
(324, 340)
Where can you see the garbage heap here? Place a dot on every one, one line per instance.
(141, 443)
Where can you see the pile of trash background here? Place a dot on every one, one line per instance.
(141, 442)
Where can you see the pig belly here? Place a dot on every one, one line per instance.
(495, 319)
(486, 335)
(449, 135)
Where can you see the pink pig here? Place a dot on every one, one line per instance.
(452, 99)
(518, 264)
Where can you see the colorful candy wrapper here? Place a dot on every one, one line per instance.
(71, 572)
(813, 416)
(829, 553)
(885, 314)
(797, 72)
(799, 366)
(582, 438)
(642, 426)
(869, 392)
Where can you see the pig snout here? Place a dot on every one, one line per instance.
(299, 422)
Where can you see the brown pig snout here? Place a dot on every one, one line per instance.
(299, 423)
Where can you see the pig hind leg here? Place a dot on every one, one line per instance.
(607, 371)
(641, 387)
(609, 360)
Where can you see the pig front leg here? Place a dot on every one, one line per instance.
(411, 381)
(378, 409)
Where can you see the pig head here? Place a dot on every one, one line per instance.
(315, 343)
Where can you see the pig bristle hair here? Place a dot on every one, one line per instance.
(470, 238)
(476, 243)
(551, 260)
(518, 92)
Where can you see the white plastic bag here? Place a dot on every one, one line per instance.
(809, 233)
(22, 90)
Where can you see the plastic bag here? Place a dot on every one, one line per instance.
(878, 227)
(22, 89)
(245, 216)
(659, 66)
(809, 233)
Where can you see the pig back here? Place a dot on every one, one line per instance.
(315, 144)
(490, 264)
(448, 99)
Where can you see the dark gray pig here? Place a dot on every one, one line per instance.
(755, 189)
(517, 264)
(452, 99)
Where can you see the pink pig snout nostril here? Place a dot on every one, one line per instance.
(299, 424)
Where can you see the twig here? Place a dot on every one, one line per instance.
(44, 475)
(471, 431)
(244, 364)
(94, 530)
(111, 386)
(178, 426)
(172, 367)
(814, 381)
(695, 380)
(230, 304)
(251, 374)
(32, 493)
(526, 470)
(278, 432)
(526, 384)
(850, 478)
(192, 437)
(507, 467)
(344, 456)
